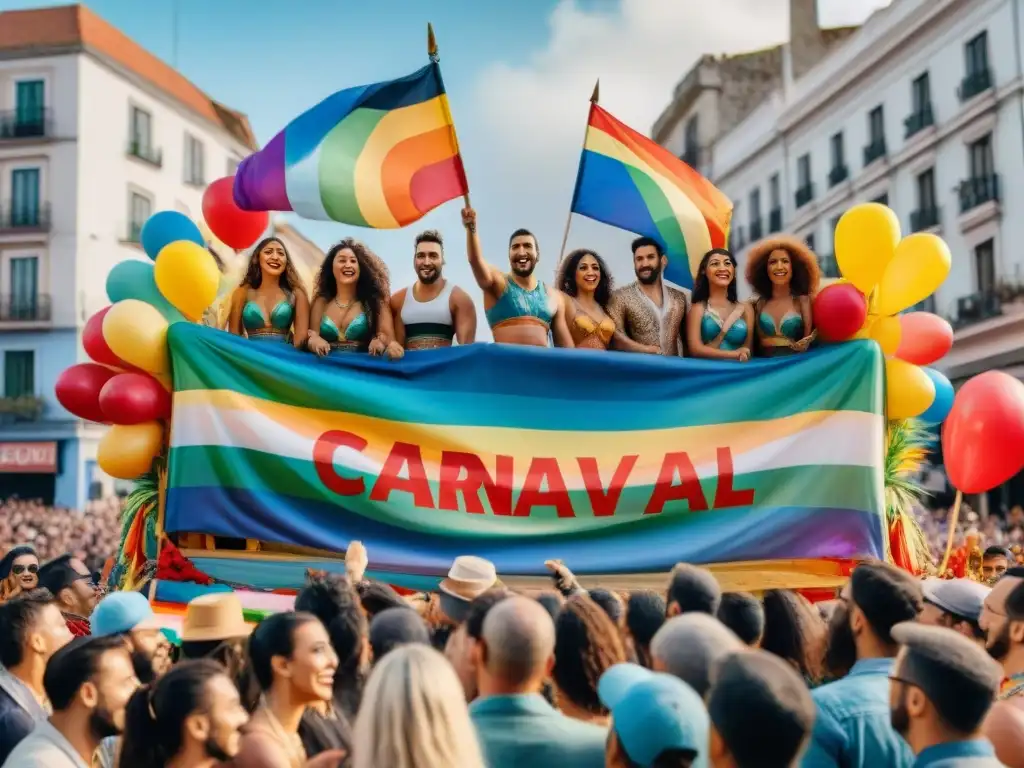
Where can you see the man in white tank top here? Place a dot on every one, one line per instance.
(432, 311)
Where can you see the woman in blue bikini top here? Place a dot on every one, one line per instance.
(351, 311)
(784, 274)
(270, 301)
(718, 326)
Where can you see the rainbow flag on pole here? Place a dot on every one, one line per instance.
(631, 182)
(379, 156)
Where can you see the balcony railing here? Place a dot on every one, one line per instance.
(19, 218)
(25, 309)
(829, 265)
(775, 220)
(919, 120)
(974, 83)
(17, 125)
(873, 151)
(978, 190)
(146, 153)
(838, 175)
(804, 195)
(756, 229)
(976, 307)
(21, 408)
(924, 218)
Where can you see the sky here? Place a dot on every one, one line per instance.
(518, 74)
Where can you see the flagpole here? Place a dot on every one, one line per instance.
(568, 220)
(436, 58)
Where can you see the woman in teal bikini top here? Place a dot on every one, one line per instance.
(351, 312)
(784, 274)
(718, 326)
(271, 300)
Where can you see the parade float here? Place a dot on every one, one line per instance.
(255, 463)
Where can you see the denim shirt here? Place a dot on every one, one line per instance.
(852, 727)
(977, 753)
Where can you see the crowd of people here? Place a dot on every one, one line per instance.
(894, 672)
(91, 535)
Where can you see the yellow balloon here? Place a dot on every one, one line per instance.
(137, 333)
(887, 331)
(187, 276)
(865, 242)
(908, 390)
(865, 330)
(920, 266)
(127, 452)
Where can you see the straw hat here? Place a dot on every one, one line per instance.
(214, 617)
(468, 578)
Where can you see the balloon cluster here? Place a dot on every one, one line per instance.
(884, 274)
(128, 382)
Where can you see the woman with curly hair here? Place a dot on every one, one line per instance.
(587, 643)
(586, 287)
(351, 310)
(784, 274)
(718, 326)
(271, 300)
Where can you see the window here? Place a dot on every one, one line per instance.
(139, 209)
(25, 197)
(690, 138)
(926, 190)
(755, 204)
(803, 171)
(921, 93)
(985, 266)
(876, 125)
(976, 54)
(24, 287)
(980, 158)
(882, 199)
(19, 373)
(194, 161)
(838, 155)
(810, 241)
(774, 192)
(142, 133)
(30, 100)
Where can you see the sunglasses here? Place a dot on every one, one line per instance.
(17, 570)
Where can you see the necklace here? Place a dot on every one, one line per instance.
(341, 306)
(1012, 687)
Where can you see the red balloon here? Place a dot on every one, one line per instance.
(232, 226)
(94, 343)
(839, 312)
(78, 390)
(134, 398)
(983, 437)
(925, 338)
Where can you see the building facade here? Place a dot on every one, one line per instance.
(95, 135)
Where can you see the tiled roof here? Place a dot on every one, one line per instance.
(53, 30)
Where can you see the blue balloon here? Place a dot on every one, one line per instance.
(134, 279)
(943, 402)
(168, 227)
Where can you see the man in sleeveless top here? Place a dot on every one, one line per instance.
(649, 313)
(520, 309)
(432, 311)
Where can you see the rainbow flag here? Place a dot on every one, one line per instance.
(631, 182)
(379, 156)
(521, 455)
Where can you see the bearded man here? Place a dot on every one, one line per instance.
(1002, 620)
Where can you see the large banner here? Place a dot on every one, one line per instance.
(614, 463)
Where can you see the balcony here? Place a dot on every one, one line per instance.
(756, 230)
(838, 175)
(924, 218)
(146, 153)
(775, 220)
(21, 408)
(977, 191)
(974, 83)
(918, 121)
(25, 309)
(977, 307)
(829, 265)
(24, 219)
(15, 126)
(804, 195)
(874, 151)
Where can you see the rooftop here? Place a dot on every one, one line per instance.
(73, 28)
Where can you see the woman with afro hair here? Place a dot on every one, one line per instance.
(783, 273)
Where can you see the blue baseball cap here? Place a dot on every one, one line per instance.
(122, 612)
(962, 597)
(653, 712)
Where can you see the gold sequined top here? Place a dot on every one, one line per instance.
(638, 317)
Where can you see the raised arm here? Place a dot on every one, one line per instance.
(300, 326)
(237, 300)
(397, 302)
(694, 342)
(487, 277)
(464, 314)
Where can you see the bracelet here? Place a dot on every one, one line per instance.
(471, 227)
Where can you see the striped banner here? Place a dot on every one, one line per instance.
(614, 463)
